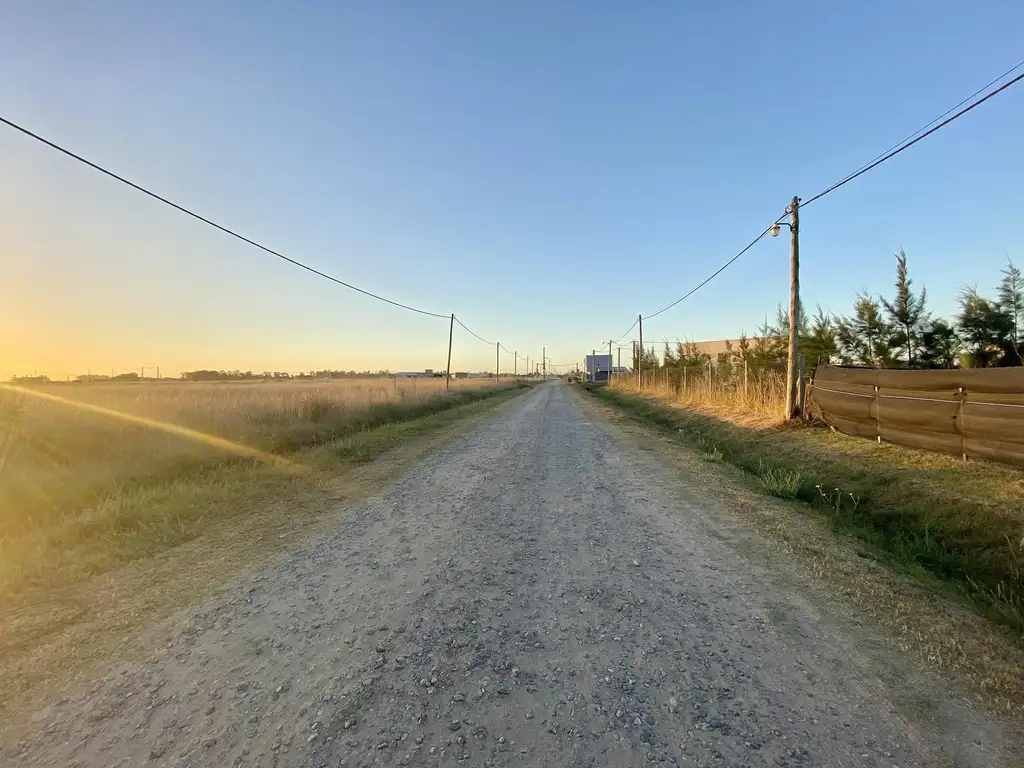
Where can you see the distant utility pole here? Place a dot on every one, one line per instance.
(515, 364)
(497, 360)
(448, 368)
(593, 362)
(610, 342)
(544, 360)
(640, 356)
(619, 365)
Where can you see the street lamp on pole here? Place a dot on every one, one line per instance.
(792, 387)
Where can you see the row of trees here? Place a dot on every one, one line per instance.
(880, 332)
(901, 333)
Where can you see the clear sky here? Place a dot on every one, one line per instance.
(546, 170)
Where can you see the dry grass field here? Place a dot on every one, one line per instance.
(95, 474)
(759, 400)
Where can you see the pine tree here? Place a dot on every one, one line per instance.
(865, 337)
(820, 344)
(939, 345)
(723, 362)
(691, 356)
(906, 312)
(743, 351)
(986, 331)
(1011, 301)
(670, 357)
(768, 347)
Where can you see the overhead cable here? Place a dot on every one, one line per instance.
(210, 222)
(472, 333)
(903, 146)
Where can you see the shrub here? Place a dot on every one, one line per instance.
(779, 482)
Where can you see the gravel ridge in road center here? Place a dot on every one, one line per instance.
(528, 596)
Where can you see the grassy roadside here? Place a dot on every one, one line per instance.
(144, 514)
(67, 448)
(80, 598)
(949, 522)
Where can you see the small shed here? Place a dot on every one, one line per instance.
(598, 367)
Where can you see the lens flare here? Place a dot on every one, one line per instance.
(237, 449)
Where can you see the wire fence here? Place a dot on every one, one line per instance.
(757, 389)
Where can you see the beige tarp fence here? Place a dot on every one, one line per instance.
(974, 413)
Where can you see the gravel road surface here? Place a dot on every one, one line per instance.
(533, 594)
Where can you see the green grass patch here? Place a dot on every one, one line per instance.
(779, 482)
(961, 523)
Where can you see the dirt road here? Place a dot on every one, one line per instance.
(537, 593)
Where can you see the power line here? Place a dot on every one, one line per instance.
(715, 274)
(210, 222)
(481, 338)
(931, 122)
(888, 154)
(616, 341)
(904, 146)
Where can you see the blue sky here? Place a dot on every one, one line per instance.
(544, 170)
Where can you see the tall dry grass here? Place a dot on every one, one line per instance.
(757, 397)
(58, 458)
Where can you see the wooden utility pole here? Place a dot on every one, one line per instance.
(515, 364)
(792, 366)
(448, 369)
(497, 360)
(544, 362)
(640, 356)
(593, 363)
(619, 364)
(610, 342)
